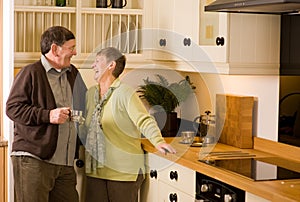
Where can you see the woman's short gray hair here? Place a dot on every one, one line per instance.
(113, 54)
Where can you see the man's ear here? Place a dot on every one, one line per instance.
(54, 49)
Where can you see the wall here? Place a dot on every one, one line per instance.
(189, 110)
(264, 88)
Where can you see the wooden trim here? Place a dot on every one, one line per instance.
(2, 166)
(1, 67)
(3, 174)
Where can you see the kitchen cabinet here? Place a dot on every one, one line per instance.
(149, 190)
(197, 41)
(184, 27)
(175, 30)
(170, 194)
(215, 42)
(168, 181)
(94, 28)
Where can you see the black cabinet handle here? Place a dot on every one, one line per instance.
(79, 163)
(163, 42)
(173, 175)
(186, 41)
(153, 174)
(220, 41)
(173, 197)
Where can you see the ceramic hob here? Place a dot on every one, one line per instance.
(258, 169)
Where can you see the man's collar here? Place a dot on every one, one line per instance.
(48, 66)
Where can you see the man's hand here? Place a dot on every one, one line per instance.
(59, 115)
(165, 148)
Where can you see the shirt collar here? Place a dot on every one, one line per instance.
(115, 84)
(48, 66)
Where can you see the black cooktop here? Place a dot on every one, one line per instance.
(259, 169)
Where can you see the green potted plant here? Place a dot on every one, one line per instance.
(164, 98)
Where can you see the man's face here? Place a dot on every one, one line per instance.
(65, 53)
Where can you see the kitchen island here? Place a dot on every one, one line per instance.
(272, 190)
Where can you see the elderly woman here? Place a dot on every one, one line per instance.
(115, 120)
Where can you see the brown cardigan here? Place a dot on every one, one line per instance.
(29, 105)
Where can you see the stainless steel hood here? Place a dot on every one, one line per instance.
(255, 6)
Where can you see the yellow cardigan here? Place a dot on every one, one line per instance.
(124, 120)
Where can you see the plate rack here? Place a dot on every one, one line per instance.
(95, 28)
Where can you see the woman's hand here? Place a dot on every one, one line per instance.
(165, 148)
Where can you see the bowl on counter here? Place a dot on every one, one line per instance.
(187, 137)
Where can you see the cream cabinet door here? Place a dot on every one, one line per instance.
(187, 33)
(149, 189)
(175, 27)
(167, 181)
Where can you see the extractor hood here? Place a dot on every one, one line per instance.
(255, 6)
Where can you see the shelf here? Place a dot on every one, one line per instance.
(94, 28)
(113, 11)
(46, 9)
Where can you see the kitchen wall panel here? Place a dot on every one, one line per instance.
(266, 90)
(196, 104)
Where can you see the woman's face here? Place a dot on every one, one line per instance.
(100, 66)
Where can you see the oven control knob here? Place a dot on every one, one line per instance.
(228, 198)
(205, 188)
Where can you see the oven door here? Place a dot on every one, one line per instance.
(212, 190)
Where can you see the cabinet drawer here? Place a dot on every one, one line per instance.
(169, 193)
(178, 176)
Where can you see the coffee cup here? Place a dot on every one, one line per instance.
(102, 4)
(187, 137)
(208, 140)
(77, 116)
(118, 3)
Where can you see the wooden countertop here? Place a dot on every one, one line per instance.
(276, 191)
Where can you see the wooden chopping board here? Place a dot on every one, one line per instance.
(234, 120)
